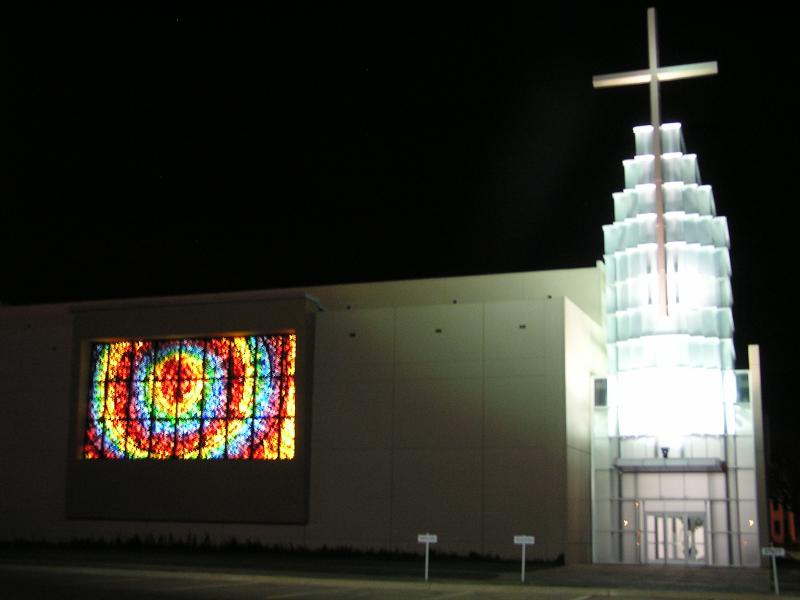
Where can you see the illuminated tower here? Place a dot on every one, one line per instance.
(669, 375)
(674, 459)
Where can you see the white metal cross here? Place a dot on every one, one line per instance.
(653, 76)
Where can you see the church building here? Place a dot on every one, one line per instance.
(597, 409)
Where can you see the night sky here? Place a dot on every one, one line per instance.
(172, 151)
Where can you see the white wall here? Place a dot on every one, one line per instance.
(447, 418)
(585, 359)
(412, 429)
(35, 369)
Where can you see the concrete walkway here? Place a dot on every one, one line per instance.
(614, 578)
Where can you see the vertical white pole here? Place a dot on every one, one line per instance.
(427, 545)
(523, 562)
(775, 575)
(655, 121)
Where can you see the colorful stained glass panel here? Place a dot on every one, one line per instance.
(223, 397)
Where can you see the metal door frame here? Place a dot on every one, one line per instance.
(661, 545)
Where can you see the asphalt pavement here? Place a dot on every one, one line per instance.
(67, 573)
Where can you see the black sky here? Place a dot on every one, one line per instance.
(179, 151)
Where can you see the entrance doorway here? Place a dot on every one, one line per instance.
(675, 537)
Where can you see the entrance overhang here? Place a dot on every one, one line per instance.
(670, 465)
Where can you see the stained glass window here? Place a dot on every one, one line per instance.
(211, 398)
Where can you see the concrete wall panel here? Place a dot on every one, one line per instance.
(439, 493)
(438, 413)
(350, 498)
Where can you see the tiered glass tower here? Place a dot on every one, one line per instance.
(674, 461)
(669, 375)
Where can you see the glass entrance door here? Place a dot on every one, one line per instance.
(675, 538)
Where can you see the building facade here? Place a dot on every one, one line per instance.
(677, 430)
(353, 416)
(560, 404)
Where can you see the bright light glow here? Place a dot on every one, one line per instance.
(750, 522)
(668, 402)
(669, 376)
(674, 443)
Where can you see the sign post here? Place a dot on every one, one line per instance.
(427, 539)
(524, 540)
(774, 552)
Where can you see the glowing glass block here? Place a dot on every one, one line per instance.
(669, 376)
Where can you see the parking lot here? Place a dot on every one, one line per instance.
(123, 582)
